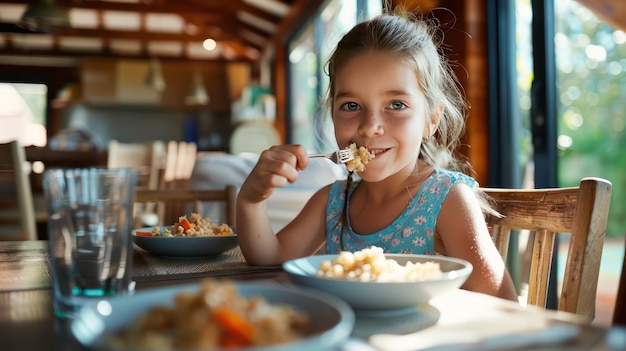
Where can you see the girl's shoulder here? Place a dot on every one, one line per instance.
(447, 178)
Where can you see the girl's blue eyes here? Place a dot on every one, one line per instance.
(353, 106)
(397, 105)
(350, 106)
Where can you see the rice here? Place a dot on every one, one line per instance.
(197, 226)
(371, 265)
(361, 158)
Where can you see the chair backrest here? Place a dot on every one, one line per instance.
(619, 314)
(187, 155)
(17, 211)
(180, 160)
(170, 166)
(146, 157)
(580, 211)
(227, 195)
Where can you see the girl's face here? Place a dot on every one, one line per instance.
(379, 104)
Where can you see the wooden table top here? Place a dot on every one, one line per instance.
(473, 320)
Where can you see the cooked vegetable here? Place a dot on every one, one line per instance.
(143, 233)
(185, 223)
(239, 332)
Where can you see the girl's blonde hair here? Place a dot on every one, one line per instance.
(415, 41)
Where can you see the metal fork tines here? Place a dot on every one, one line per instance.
(339, 156)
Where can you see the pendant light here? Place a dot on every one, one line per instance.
(44, 17)
(199, 95)
(154, 78)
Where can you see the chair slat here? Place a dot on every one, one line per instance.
(541, 264)
(179, 163)
(18, 194)
(585, 250)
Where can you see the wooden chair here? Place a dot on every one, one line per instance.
(195, 197)
(17, 211)
(619, 314)
(179, 162)
(581, 211)
(148, 159)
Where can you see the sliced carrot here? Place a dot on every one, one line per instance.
(228, 341)
(239, 329)
(185, 223)
(143, 233)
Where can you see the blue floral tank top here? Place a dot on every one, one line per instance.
(411, 233)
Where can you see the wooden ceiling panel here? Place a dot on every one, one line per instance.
(242, 28)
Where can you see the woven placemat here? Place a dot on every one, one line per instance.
(147, 266)
(24, 266)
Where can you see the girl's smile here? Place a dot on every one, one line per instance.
(377, 152)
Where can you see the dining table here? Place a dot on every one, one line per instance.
(457, 319)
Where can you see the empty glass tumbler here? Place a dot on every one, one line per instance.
(90, 248)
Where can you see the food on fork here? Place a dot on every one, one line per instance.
(371, 265)
(215, 317)
(361, 158)
(194, 226)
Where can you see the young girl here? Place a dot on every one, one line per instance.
(391, 92)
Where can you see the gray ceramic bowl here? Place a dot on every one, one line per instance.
(381, 297)
(193, 246)
(331, 320)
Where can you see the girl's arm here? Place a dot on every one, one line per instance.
(304, 235)
(463, 233)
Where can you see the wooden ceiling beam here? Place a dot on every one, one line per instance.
(124, 34)
(202, 19)
(209, 10)
(12, 51)
(301, 11)
(612, 12)
(240, 6)
(255, 30)
(158, 7)
(171, 7)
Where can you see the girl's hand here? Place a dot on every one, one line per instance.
(276, 167)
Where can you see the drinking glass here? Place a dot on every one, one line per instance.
(90, 250)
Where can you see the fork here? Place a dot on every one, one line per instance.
(338, 157)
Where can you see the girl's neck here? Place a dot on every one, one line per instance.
(415, 182)
(374, 206)
(399, 185)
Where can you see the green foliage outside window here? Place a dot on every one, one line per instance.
(591, 88)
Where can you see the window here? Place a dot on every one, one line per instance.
(23, 113)
(589, 81)
(566, 115)
(591, 84)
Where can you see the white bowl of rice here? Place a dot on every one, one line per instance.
(390, 282)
